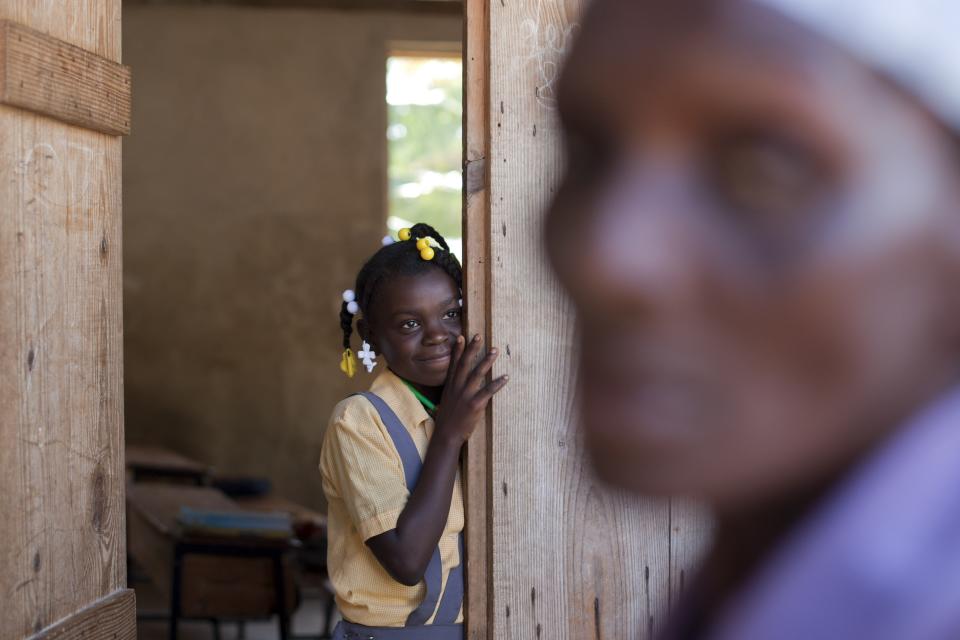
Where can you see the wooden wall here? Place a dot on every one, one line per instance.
(564, 556)
(61, 400)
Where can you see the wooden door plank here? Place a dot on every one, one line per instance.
(61, 365)
(476, 228)
(46, 75)
(61, 399)
(690, 531)
(113, 617)
(571, 558)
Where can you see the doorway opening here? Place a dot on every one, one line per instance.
(255, 186)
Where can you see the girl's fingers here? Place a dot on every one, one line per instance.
(483, 397)
(476, 379)
(455, 355)
(466, 363)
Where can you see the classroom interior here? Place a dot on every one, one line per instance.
(274, 144)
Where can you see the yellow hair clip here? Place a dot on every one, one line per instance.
(423, 246)
(348, 364)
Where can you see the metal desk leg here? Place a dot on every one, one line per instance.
(175, 591)
(281, 595)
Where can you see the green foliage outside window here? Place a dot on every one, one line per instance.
(425, 109)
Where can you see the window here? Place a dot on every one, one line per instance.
(425, 108)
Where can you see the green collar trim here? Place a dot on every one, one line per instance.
(424, 400)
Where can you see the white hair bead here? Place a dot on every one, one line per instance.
(349, 295)
(353, 307)
(387, 240)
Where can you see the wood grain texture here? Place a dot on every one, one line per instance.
(60, 80)
(571, 559)
(476, 227)
(113, 617)
(61, 397)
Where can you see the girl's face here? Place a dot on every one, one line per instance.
(414, 324)
(760, 237)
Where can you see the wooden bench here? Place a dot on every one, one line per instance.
(207, 577)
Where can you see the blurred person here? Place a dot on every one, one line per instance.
(759, 228)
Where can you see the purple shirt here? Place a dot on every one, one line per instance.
(879, 559)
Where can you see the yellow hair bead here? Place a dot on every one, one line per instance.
(347, 363)
(404, 234)
(422, 244)
(427, 254)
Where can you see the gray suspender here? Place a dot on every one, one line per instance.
(453, 594)
(412, 464)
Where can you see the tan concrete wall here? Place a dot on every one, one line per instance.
(254, 187)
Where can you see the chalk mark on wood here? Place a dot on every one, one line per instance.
(547, 45)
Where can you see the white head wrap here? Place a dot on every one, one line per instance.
(915, 42)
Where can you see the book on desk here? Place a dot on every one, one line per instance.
(276, 525)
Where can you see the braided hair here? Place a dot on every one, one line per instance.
(400, 258)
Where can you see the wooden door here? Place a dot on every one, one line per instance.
(64, 100)
(551, 552)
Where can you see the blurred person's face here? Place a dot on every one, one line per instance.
(760, 237)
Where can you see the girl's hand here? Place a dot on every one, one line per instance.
(405, 551)
(465, 393)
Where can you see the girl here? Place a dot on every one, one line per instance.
(390, 456)
(760, 231)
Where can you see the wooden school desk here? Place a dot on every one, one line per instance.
(207, 577)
